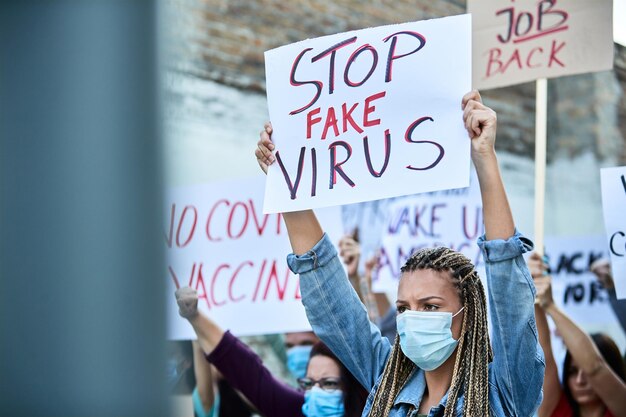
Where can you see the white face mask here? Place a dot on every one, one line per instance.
(426, 337)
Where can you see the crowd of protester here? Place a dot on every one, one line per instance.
(430, 352)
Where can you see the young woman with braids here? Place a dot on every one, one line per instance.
(442, 363)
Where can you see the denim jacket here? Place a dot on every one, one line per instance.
(341, 321)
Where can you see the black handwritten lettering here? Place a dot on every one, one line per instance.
(353, 57)
(293, 187)
(332, 51)
(292, 79)
(392, 50)
(408, 138)
(336, 167)
(368, 156)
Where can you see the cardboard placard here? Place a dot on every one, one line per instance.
(369, 114)
(524, 40)
(451, 218)
(218, 242)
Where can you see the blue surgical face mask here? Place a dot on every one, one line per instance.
(426, 337)
(173, 374)
(320, 403)
(297, 360)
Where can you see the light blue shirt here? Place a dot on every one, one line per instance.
(340, 319)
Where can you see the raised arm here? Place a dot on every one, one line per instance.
(552, 390)
(481, 123)
(239, 365)
(350, 252)
(208, 332)
(302, 226)
(601, 268)
(204, 394)
(606, 384)
(332, 306)
(518, 367)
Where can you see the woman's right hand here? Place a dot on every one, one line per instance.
(543, 285)
(536, 265)
(263, 152)
(187, 299)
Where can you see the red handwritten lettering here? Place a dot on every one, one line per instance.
(553, 51)
(232, 282)
(273, 278)
(231, 222)
(370, 109)
(310, 121)
(346, 116)
(210, 217)
(213, 280)
(331, 121)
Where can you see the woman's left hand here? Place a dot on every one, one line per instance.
(480, 122)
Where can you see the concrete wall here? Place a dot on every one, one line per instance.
(217, 86)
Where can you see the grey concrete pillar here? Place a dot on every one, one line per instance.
(81, 282)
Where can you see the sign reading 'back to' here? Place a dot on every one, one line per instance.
(516, 41)
(369, 114)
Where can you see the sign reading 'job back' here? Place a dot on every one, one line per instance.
(516, 41)
(369, 114)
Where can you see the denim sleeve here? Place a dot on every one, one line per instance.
(337, 315)
(518, 364)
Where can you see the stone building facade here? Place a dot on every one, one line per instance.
(218, 45)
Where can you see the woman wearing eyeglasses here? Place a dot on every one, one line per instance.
(328, 390)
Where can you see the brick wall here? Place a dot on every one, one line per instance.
(224, 41)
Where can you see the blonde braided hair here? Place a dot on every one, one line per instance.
(474, 353)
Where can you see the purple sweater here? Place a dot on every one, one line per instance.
(245, 372)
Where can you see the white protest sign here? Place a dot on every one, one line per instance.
(369, 114)
(451, 218)
(614, 207)
(218, 242)
(574, 287)
(516, 41)
(577, 291)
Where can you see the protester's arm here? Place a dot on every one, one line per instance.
(239, 365)
(377, 302)
(606, 384)
(302, 226)
(619, 307)
(245, 371)
(208, 332)
(551, 384)
(601, 268)
(481, 122)
(518, 366)
(350, 252)
(552, 390)
(332, 306)
(204, 379)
